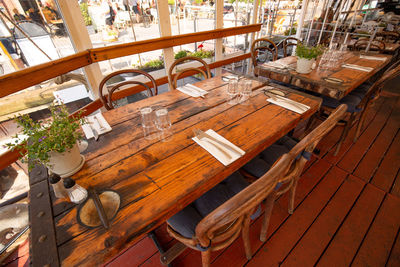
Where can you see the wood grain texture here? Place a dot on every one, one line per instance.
(315, 82)
(171, 174)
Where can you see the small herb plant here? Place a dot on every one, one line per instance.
(57, 135)
(308, 52)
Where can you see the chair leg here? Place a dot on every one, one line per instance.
(344, 133)
(269, 204)
(246, 236)
(205, 258)
(291, 197)
(360, 124)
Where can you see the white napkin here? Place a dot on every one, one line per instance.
(213, 150)
(356, 67)
(289, 104)
(96, 125)
(277, 65)
(373, 58)
(192, 90)
(4, 148)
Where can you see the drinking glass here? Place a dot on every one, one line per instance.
(245, 91)
(148, 123)
(163, 124)
(233, 92)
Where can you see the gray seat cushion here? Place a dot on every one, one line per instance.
(263, 161)
(185, 221)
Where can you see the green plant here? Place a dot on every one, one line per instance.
(155, 63)
(171, 2)
(181, 54)
(85, 13)
(59, 135)
(202, 54)
(309, 52)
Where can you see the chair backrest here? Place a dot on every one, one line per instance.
(173, 78)
(107, 99)
(263, 45)
(376, 45)
(389, 36)
(233, 211)
(290, 41)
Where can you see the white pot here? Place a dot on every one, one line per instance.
(304, 65)
(67, 163)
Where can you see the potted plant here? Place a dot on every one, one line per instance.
(52, 143)
(306, 56)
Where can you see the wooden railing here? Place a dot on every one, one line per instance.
(19, 80)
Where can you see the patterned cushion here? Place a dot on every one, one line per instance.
(185, 221)
(350, 100)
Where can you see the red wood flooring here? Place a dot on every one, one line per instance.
(347, 208)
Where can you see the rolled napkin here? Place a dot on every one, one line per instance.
(356, 67)
(276, 65)
(373, 58)
(215, 147)
(192, 90)
(289, 104)
(96, 122)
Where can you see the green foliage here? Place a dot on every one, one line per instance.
(171, 2)
(59, 135)
(155, 64)
(291, 31)
(181, 54)
(202, 54)
(85, 13)
(308, 52)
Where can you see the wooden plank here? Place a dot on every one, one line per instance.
(13, 82)
(114, 51)
(345, 243)
(376, 247)
(285, 238)
(387, 171)
(351, 159)
(368, 165)
(396, 186)
(394, 258)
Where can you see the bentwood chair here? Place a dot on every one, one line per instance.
(290, 41)
(376, 45)
(217, 218)
(299, 153)
(173, 78)
(262, 50)
(389, 36)
(123, 78)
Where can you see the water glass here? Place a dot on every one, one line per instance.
(148, 123)
(163, 124)
(245, 91)
(233, 92)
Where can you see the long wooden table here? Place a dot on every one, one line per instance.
(155, 179)
(315, 82)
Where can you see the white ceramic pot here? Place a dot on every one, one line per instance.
(304, 65)
(67, 163)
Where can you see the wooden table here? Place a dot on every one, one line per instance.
(155, 179)
(315, 82)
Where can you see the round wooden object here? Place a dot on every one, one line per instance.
(88, 215)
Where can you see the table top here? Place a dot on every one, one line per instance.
(156, 179)
(315, 80)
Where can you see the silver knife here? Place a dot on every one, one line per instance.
(200, 134)
(95, 133)
(191, 90)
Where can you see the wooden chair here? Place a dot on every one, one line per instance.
(389, 36)
(376, 45)
(263, 45)
(116, 80)
(173, 78)
(358, 102)
(290, 41)
(298, 154)
(224, 224)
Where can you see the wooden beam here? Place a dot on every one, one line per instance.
(13, 82)
(219, 24)
(114, 51)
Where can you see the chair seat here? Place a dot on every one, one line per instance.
(185, 221)
(350, 100)
(260, 165)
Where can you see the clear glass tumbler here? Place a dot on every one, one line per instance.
(163, 124)
(148, 123)
(233, 92)
(245, 91)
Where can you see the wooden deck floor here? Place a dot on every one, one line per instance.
(347, 208)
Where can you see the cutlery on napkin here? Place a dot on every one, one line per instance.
(96, 126)
(356, 67)
(288, 103)
(373, 58)
(223, 150)
(192, 90)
